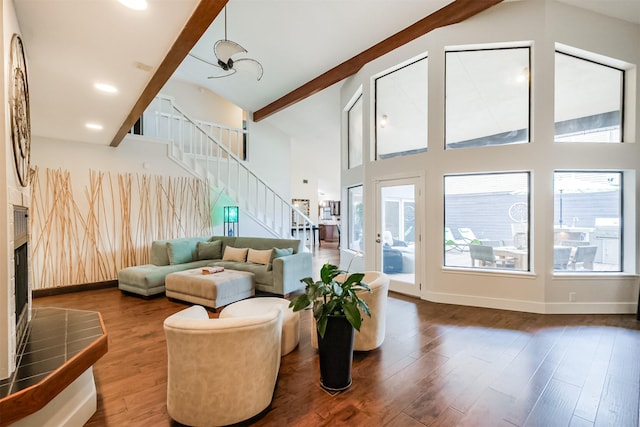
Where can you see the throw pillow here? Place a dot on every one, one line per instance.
(278, 252)
(209, 250)
(259, 256)
(235, 254)
(180, 252)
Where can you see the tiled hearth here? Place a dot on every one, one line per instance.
(54, 337)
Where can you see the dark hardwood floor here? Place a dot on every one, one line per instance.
(440, 365)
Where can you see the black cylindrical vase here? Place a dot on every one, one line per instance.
(336, 354)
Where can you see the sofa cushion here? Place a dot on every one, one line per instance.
(159, 253)
(180, 252)
(262, 274)
(259, 256)
(278, 252)
(235, 254)
(209, 250)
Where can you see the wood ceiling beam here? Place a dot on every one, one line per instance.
(202, 17)
(455, 12)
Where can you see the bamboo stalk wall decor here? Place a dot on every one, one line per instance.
(76, 240)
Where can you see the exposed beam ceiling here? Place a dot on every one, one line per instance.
(455, 12)
(200, 20)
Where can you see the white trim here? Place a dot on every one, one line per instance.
(591, 308)
(486, 302)
(533, 306)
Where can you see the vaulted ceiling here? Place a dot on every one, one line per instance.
(73, 44)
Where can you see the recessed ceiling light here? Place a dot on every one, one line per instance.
(94, 126)
(104, 87)
(134, 4)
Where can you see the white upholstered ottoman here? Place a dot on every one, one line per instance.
(211, 290)
(261, 305)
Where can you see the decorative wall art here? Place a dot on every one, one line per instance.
(19, 110)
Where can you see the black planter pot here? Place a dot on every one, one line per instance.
(336, 354)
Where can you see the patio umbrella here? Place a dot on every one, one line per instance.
(570, 183)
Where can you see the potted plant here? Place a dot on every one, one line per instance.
(336, 309)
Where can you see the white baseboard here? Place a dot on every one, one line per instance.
(533, 306)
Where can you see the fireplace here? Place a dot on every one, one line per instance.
(21, 264)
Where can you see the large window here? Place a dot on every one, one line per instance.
(486, 221)
(356, 218)
(401, 111)
(487, 97)
(588, 100)
(355, 133)
(587, 221)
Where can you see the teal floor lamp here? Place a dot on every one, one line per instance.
(231, 220)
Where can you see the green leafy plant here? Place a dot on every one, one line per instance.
(335, 294)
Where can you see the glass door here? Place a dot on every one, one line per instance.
(398, 233)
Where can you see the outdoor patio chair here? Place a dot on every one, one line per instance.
(561, 257)
(584, 255)
(486, 258)
(468, 235)
(451, 243)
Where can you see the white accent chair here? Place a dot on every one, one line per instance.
(373, 329)
(221, 371)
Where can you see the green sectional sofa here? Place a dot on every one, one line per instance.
(279, 274)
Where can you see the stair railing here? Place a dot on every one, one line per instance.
(213, 153)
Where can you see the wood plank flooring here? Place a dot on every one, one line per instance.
(440, 365)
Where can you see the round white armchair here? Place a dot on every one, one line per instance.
(373, 329)
(221, 371)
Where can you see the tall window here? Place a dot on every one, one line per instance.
(487, 97)
(587, 221)
(355, 133)
(356, 218)
(486, 221)
(588, 100)
(401, 111)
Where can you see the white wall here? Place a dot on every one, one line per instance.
(202, 104)
(134, 155)
(269, 156)
(543, 23)
(319, 163)
(11, 193)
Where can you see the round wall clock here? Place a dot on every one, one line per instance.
(19, 108)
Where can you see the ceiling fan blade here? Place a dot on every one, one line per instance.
(224, 49)
(204, 60)
(250, 65)
(223, 73)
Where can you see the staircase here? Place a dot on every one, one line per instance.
(214, 154)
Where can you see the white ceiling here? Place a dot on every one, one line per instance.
(70, 44)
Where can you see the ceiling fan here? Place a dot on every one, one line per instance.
(224, 50)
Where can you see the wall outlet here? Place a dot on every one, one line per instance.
(572, 297)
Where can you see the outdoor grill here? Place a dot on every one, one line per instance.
(607, 238)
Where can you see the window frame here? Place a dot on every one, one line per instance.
(358, 98)
(529, 91)
(623, 78)
(621, 209)
(351, 218)
(528, 223)
(375, 79)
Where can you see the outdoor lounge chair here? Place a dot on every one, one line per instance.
(468, 235)
(451, 243)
